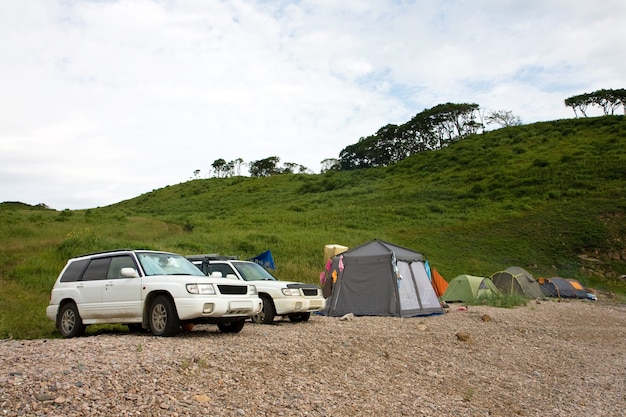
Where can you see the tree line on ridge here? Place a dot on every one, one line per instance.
(430, 129)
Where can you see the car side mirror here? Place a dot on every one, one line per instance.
(129, 273)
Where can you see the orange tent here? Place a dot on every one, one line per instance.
(439, 284)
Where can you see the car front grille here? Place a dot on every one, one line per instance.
(309, 292)
(233, 289)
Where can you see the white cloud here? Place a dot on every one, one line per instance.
(105, 100)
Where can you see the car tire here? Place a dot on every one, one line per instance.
(266, 316)
(163, 318)
(231, 326)
(297, 317)
(69, 322)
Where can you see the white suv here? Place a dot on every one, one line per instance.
(159, 291)
(296, 300)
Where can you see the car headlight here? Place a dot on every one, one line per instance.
(204, 289)
(252, 290)
(291, 291)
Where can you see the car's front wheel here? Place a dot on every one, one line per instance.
(231, 326)
(266, 316)
(69, 322)
(163, 318)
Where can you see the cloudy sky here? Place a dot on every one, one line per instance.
(103, 100)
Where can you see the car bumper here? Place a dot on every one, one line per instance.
(222, 307)
(290, 305)
(52, 311)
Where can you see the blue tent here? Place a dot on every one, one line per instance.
(265, 259)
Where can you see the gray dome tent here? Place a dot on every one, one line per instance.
(380, 279)
(562, 287)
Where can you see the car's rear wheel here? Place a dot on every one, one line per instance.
(296, 317)
(266, 316)
(69, 322)
(231, 326)
(163, 318)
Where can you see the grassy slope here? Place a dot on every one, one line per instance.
(538, 196)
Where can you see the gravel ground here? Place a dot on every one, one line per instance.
(545, 359)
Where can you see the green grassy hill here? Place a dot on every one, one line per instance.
(549, 197)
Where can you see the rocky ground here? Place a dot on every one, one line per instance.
(545, 359)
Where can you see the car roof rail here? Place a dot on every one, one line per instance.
(211, 257)
(105, 252)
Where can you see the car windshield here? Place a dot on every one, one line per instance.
(253, 272)
(166, 264)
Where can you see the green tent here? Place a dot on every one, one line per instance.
(516, 280)
(465, 288)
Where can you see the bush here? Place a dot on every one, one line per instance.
(500, 300)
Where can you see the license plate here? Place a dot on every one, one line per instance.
(240, 305)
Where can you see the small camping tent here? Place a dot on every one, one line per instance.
(465, 288)
(380, 279)
(581, 291)
(516, 280)
(562, 288)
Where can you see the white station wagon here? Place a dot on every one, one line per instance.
(295, 300)
(159, 291)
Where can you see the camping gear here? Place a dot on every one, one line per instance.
(329, 252)
(516, 280)
(380, 279)
(440, 285)
(332, 250)
(465, 288)
(562, 287)
(265, 259)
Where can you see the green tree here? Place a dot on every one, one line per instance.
(503, 118)
(452, 122)
(294, 168)
(265, 167)
(330, 164)
(363, 154)
(579, 103)
(608, 100)
(431, 129)
(219, 166)
(289, 167)
(237, 163)
(229, 168)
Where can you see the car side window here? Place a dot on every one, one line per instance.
(117, 263)
(97, 269)
(73, 271)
